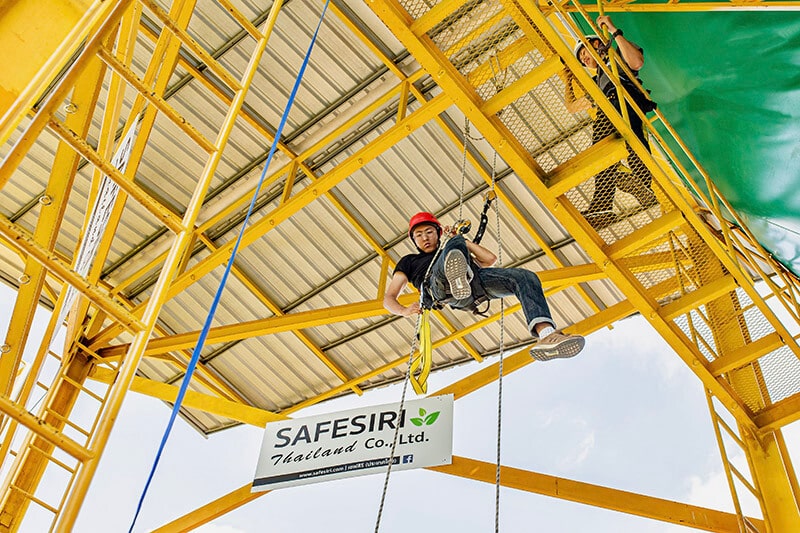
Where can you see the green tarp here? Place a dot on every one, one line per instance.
(729, 83)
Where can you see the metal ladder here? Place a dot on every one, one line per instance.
(732, 474)
(56, 447)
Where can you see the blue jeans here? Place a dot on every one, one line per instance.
(498, 283)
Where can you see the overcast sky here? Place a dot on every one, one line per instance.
(626, 414)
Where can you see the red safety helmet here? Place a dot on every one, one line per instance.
(423, 218)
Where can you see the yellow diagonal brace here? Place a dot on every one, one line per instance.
(43, 429)
(264, 326)
(205, 514)
(23, 241)
(549, 68)
(194, 400)
(586, 164)
(597, 496)
(342, 171)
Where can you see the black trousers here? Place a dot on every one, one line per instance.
(638, 182)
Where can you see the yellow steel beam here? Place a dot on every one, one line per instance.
(276, 310)
(595, 495)
(773, 473)
(779, 414)
(24, 242)
(645, 235)
(208, 512)
(38, 39)
(464, 96)
(489, 374)
(745, 354)
(214, 405)
(583, 166)
(263, 326)
(705, 294)
(508, 95)
(343, 313)
(103, 21)
(49, 433)
(62, 175)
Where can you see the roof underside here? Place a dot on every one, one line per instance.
(330, 252)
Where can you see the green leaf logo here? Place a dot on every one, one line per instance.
(423, 419)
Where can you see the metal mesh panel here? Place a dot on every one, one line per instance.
(663, 267)
(417, 8)
(780, 370)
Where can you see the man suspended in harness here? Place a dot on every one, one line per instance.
(634, 179)
(462, 266)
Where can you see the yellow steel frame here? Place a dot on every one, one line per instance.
(95, 26)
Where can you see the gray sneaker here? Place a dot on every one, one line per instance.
(557, 345)
(458, 274)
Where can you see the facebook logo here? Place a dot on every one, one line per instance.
(408, 458)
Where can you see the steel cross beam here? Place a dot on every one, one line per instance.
(551, 279)
(578, 491)
(670, 6)
(465, 97)
(597, 496)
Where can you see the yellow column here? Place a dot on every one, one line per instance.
(769, 467)
(37, 38)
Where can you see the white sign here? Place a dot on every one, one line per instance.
(355, 443)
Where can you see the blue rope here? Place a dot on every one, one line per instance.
(212, 310)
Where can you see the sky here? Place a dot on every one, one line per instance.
(626, 413)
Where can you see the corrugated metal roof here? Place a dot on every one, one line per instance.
(316, 259)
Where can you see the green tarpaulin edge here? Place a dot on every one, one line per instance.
(729, 83)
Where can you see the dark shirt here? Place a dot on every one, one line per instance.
(414, 266)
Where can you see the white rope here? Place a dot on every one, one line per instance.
(500, 363)
(463, 169)
(400, 407)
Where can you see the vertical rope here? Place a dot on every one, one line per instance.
(500, 363)
(397, 427)
(414, 341)
(463, 169)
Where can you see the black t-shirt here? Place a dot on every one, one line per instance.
(414, 266)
